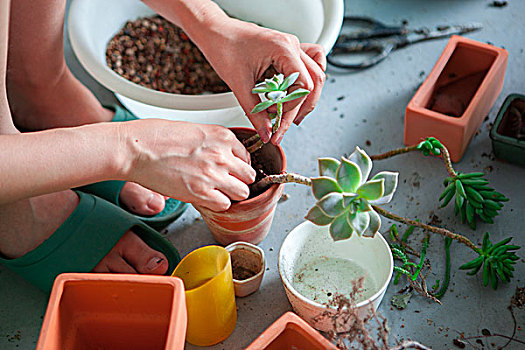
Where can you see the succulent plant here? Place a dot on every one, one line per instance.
(430, 145)
(345, 197)
(473, 198)
(496, 261)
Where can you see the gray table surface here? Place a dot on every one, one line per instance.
(355, 108)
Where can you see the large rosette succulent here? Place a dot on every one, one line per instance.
(345, 197)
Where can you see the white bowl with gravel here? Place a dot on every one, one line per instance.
(314, 269)
(92, 24)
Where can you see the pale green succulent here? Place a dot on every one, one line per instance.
(345, 196)
(273, 91)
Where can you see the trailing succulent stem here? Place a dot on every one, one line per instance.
(273, 92)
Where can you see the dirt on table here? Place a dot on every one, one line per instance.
(156, 54)
(245, 264)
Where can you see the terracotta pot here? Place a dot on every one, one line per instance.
(457, 95)
(114, 311)
(508, 131)
(249, 220)
(248, 265)
(290, 332)
(314, 268)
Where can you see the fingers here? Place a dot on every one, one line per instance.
(242, 171)
(312, 98)
(241, 152)
(315, 52)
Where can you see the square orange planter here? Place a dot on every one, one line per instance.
(290, 332)
(457, 95)
(114, 311)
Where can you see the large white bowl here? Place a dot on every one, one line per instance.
(92, 23)
(307, 242)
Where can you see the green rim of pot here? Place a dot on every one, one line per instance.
(494, 135)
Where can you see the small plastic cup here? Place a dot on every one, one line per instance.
(210, 297)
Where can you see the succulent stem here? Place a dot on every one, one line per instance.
(394, 152)
(281, 179)
(448, 163)
(438, 230)
(256, 146)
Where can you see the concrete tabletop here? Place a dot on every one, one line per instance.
(366, 108)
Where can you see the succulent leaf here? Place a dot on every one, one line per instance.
(348, 198)
(260, 89)
(276, 96)
(323, 185)
(363, 161)
(328, 167)
(340, 229)
(372, 190)
(317, 216)
(358, 221)
(332, 204)
(348, 175)
(373, 225)
(364, 205)
(288, 81)
(295, 94)
(271, 84)
(262, 106)
(391, 179)
(278, 78)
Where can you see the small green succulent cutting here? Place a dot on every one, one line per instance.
(345, 196)
(496, 261)
(473, 198)
(430, 145)
(274, 92)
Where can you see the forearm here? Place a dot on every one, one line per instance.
(200, 19)
(36, 163)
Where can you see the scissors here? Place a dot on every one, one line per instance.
(383, 39)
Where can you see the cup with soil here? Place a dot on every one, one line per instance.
(248, 266)
(508, 131)
(250, 220)
(457, 95)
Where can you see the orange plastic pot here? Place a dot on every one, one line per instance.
(249, 220)
(114, 311)
(290, 332)
(457, 95)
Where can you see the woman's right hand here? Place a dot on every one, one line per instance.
(195, 163)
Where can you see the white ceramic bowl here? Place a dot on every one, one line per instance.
(92, 23)
(308, 242)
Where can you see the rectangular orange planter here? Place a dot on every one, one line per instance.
(457, 95)
(114, 311)
(290, 332)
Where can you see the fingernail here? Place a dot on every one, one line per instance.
(264, 134)
(279, 139)
(154, 263)
(156, 202)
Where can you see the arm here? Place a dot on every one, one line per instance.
(240, 52)
(202, 164)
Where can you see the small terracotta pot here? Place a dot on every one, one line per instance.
(114, 311)
(249, 220)
(457, 95)
(508, 131)
(248, 265)
(290, 332)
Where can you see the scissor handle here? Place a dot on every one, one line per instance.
(382, 48)
(376, 30)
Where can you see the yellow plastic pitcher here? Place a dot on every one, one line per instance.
(210, 298)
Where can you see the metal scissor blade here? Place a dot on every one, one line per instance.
(442, 31)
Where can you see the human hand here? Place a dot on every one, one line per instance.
(240, 53)
(195, 163)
